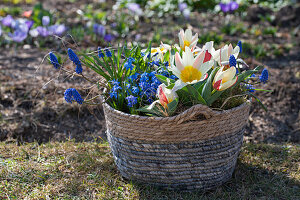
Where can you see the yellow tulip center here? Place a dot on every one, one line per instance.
(186, 44)
(189, 74)
(153, 50)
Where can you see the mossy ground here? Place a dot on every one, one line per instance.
(70, 170)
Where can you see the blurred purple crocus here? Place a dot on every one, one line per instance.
(135, 8)
(186, 13)
(42, 31)
(18, 35)
(29, 24)
(229, 7)
(8, 20)
(57, 29)
(108, 37)
(182, 6)
(45, 20)
(99, 29)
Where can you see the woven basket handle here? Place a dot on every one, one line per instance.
(192, 113)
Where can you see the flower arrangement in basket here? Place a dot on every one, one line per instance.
(175, 114)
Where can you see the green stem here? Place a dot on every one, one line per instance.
(213, 92)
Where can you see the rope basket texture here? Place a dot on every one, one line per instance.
(196, 149)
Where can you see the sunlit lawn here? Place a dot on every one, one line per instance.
(71, 170)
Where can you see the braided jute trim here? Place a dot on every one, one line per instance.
(196, 123)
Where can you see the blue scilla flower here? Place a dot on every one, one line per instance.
(240, 45)
(134, 77)
(113, 94)
(135, 90)
(100, 53)
(142, 54)
(72, 94)
(253, 76)
(128, 65)
(250, 88)
(131, 59)
(54, 60)
(165, 73)
(173, 77)
(128, 88)
(156, 82)
(144, 85)
(166, 64)
(114, 82)
(114, 91)
(264, 75)
(156, 62)
(152, 74)
(116, 88)
(108, 53)
(232, 61)
(132, 100)
(150, 64)
(144, 77)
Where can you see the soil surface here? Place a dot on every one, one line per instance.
(32, 107)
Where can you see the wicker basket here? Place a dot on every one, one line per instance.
(196, 149)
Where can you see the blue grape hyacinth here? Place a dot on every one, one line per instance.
(264, 76)
(250, 88)
(72, 94)
(232, 61)
(108, 53)
(240, 45)
(54, 60)
(74, 58)
(100, 53)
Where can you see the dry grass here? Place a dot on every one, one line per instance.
(72, 170)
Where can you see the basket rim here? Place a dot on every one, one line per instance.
(197, 106)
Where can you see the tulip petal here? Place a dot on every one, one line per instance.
(189, 58)
(198, 60)
(236, 51)
(230, 49)
(175, 71)
(209, 46)
(188, 34)
(207, 56)
(178, 62)
(230, 73)
(178, 85)
(205, 67)
(228, 84)
(181, 37)
(224, 55)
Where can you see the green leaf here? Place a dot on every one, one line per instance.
(214, 97)
(199, 86)
(258, 100)
(172, 106)
(167, 56)
(263, 90)
(171, 86)
(196, 95)
(156, 109)
(164, 79)
(207, 88)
